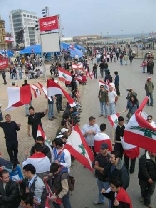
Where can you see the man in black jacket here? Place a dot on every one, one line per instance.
(115, 169)
(9, 191)
(10, 129)
(147, 177)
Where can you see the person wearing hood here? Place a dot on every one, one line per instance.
(115, 169)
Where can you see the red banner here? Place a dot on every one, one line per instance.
(4, 63)
(49, 23)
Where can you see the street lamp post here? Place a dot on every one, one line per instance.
(107, 37)
(121, 35)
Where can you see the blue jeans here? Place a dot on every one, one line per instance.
(50, 110)
(150, 95)
(121, 61)
(143, 69)
(65, 201)
(103, 107)
(102, 185)
(20, 75)
(112, 108)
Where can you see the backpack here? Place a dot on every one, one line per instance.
(71, 182)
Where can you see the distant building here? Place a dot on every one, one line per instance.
(26, 21)
(3, 44)
(86, 37)
(67, 39)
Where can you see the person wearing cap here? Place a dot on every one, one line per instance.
(103, 99)
(99, 163)
(119, 132)
(147, 177)
(149, 88)
(89, 131)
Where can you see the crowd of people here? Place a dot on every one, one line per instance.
(45, 173)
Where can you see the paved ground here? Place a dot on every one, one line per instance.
(131, 76)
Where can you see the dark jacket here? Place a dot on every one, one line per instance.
(108, 77)
(10, 197)
(116, 80)
(45, 150)
(119, 171)
(147, 168)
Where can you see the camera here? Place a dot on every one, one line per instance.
(129, 90)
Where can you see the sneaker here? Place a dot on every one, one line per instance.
(141, 199)
(98, 203)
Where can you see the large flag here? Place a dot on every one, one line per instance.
(78, 66)
(64, 75)
(69, 98)
(18, 96)
(106, 86)
(77, 146)
(139, 132)
(101, 138)
(36, 91)
(130, 150)
(53, 88)
(113, 119)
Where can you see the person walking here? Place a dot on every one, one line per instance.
(34, 119)
(95, 71)
(149, 88)
(112, 99)
(147, 177)
(116, 82)
(132, 106)
(10, 129)
(103, 99)
(102, 68)
(4, 77)
(99, 163)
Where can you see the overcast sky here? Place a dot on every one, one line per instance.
(84, 17)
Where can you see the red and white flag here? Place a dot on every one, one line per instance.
(106, 86)
(69, 98)
(78, 66)
(40, 161)
(44, 89)
(130, 150)
(78, 147)
(64, 75)
(53, 88)
(9, 39)
(139, 132)
(18, 96)
(113, 119)
(36, 91)
(101, 138)
(91, 75)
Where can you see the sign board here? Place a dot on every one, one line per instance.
(49, 23)
(50, 42)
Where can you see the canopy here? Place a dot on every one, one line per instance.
(79, 47)
(31, 49)
(9, 53)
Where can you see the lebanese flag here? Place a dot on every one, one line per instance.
(69, 98)
(130, 150)
(53, 88)
(40, 161)
(91, 75)
(40, 132)
(64, 75)
(101, 138)
(113, 119)
(18, 96)
(77, 146)
(122, 196)
(9, 39)
(106, 86)
(36, 91)
(78, 66)
(139, 132)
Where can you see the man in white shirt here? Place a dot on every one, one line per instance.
(112, 99)
(89, 131)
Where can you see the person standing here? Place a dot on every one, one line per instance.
(149, 88)
(95, 71)
(4, 77)
(119, 132)
(9, 191)
(101, 160)
(103, 99)
(59, 102)
(34, 119)
(10, 129)
(101, 65)
(112, 99)
(121, 58)
(150, 66)
(27, 105)
(147, 177)
(132, 106)
(89, 131)
(51, 116)
(116, 82)
(125, 59)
